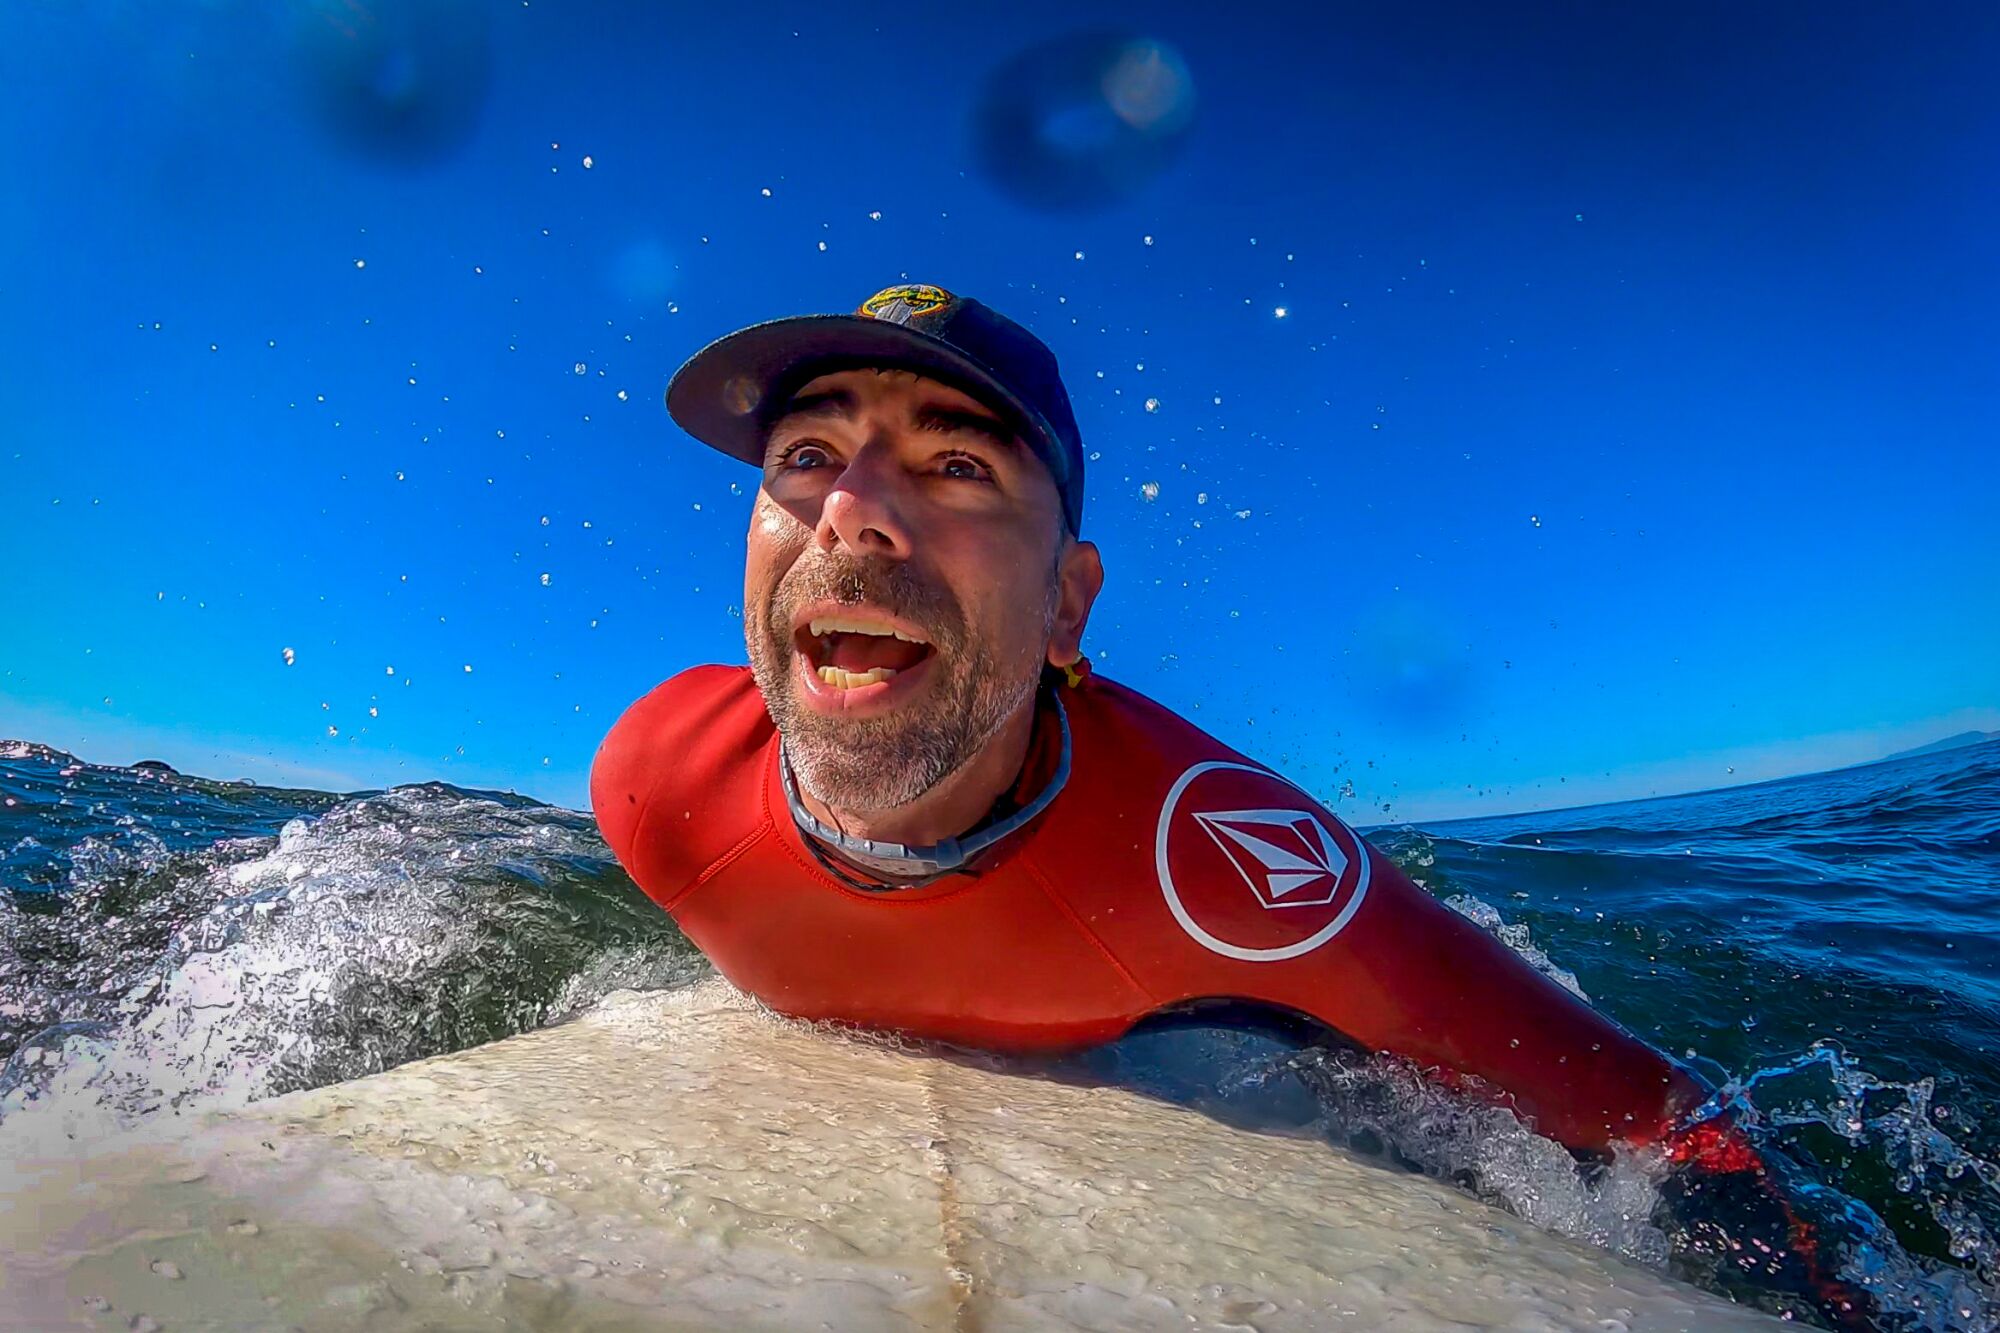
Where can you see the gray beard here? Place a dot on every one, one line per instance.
(879, 763)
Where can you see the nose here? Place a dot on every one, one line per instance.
(863, 511)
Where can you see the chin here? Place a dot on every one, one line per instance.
(865, 778)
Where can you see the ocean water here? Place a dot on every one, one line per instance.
(1826, 949)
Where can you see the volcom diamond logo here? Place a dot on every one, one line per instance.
(1251, 867)
(1286, 856)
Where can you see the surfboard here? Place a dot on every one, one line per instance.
(685, 1160)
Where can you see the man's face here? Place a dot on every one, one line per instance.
(908, 575)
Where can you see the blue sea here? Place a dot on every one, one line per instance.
(1826, 949)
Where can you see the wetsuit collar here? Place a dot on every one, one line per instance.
(943, 857)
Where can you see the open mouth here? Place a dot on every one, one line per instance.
(856, 646)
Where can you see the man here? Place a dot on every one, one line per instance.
(919, 809)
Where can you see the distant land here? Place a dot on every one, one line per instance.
(1948, 743)
(18, 750)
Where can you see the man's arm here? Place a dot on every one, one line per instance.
(1421, 981)
(1481, 1010)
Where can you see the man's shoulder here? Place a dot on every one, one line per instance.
(707, 705)
(1121, 719)
(691, 739)
(1136, 758)
(695, 695)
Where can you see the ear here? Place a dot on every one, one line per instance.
(1079, 578)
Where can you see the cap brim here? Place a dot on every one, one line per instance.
(720, 395)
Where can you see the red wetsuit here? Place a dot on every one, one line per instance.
(1170, 869)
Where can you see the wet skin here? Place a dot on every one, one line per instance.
(903, 527)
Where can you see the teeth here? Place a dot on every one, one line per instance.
(847, 680)
(825, 625)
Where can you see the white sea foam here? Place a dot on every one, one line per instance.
(375, 934)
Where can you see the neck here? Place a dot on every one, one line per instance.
(954, 805)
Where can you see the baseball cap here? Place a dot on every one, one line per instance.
(726, 394)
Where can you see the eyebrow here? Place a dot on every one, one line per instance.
(932, 417)
(950, 420)
(827, 402)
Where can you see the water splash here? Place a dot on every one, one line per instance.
(1824, 1109)
(392, 927)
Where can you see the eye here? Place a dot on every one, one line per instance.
(802, 456)
(964, 467)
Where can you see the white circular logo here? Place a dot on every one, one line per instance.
(1263, 874)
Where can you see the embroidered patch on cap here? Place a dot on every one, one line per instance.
(900, 305)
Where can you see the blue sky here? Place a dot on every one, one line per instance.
(1628, 429)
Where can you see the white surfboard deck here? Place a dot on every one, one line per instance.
(683, 1160)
